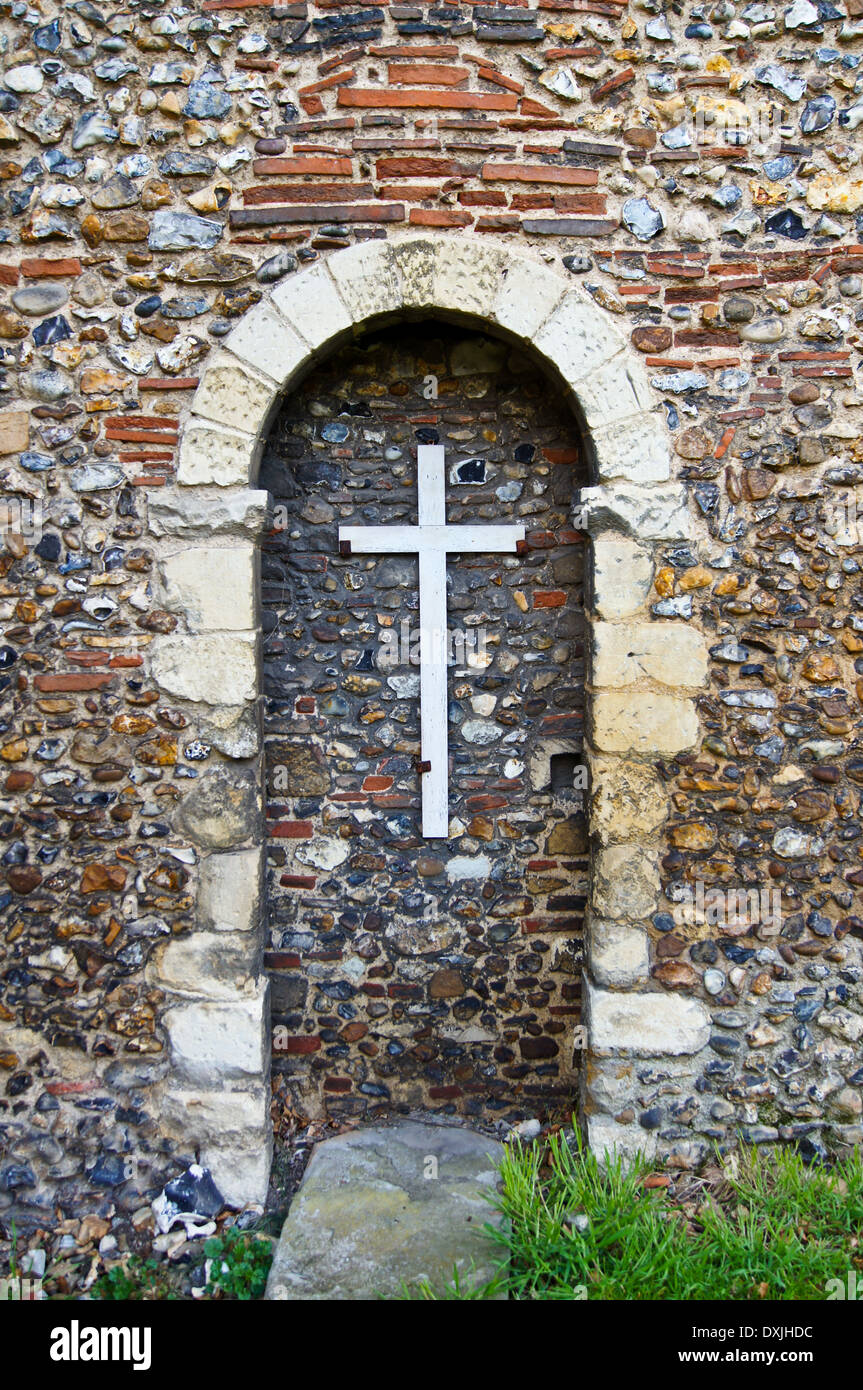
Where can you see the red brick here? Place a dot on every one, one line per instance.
(620, 79)
(303, 164)
(374, 783)
(407, 166)
(529, 107)
(549, 598)
(431, 50)
(292, 830)
(73, 680)
(8, 275)
(298, 880)
(433, 73)
(541, 173)
(313, 105)
(300, 1046)
(503, 222)
(437, 217)
(168, 383)
(371, 98)
(334, 80)
(43, 266)
(305, 193)
(483, 198)
(501, 80)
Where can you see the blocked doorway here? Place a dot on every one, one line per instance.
(406, 972)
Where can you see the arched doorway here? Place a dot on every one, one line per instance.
(408, 971)
(210, 527)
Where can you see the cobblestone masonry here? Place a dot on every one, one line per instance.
(403, 974)
(229, 193)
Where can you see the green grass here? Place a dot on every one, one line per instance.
(775, 1230)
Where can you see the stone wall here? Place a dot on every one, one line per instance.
(193, 195)
(407, 972)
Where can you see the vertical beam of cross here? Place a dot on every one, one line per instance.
(431, 539)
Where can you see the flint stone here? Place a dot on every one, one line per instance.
(181, 231)
(366, 1220)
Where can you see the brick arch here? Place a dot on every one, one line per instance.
(644, 675)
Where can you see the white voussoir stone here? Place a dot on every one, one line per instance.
(210, 453)
(214, 586)
(635, 448)
(622, 576)
(625, 881)
(367, 279)
(312, 305)
(615, 391)
(646, 1025)
(218, 669)
(229, 891)
(234, 395)
(415, 257)
(466, 277)
(579, 339)
(214, 1039)
(527, 295)
(671, 653)
(619, 954)
(266, 341)
(648, 514)
(643, 721)
(232, 1132)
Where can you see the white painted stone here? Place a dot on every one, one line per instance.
(210, 453)
(635, 449)
(229, 891)
(646, 1025)
(323, 853)
(619, 955)
(610, 1140)
(475, 866)
(627, 799)
(643, 721)
(614, 391)
(658, 513)
(231, 1130)
(196, 513)
(214, 586)
(234, 395)
(211, 1040)
(527, 296)
(622, 576)
(367, 279)
(211, 964)
(625, 881)
(578, 339)
(311, 303)
(266, 341)
(466, 276)
(672, 653)
(217, 669)
(415, 258)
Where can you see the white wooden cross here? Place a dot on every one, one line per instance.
(432, 539)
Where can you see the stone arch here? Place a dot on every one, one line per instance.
(644, 675)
